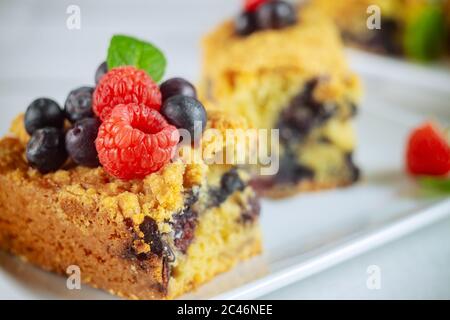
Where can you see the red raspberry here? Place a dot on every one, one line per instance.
(125, 85)
(135, 141)
(252, 5)
(428, 151)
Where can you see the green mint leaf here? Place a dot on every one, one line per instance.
(128, 51)
(435, 186)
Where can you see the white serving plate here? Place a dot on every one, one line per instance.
(309, 233)
(433, 75)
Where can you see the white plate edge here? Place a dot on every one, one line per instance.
(340, 253)
(431, 76)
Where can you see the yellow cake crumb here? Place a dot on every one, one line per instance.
(17, 129)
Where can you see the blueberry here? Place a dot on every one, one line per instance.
(185, 113)
(79, 104)
(46, 150)
(152, 235)
(80, 142)
(252, 212)
(101, 71)
(245, 24)
(177, 86)
(41, 113)
(291, 171)
(304, 113)
(231, 182)
(184, 225)
(275, 15)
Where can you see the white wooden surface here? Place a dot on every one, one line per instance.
(39, 56)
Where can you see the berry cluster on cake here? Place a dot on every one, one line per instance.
(283, 67)
(105, 183)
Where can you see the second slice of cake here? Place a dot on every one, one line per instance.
(290, 76)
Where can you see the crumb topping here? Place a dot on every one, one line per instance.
(312, 46)
(159, 195)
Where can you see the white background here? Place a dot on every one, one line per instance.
(39, 56)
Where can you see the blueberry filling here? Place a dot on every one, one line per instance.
(229, 183)
(166, 272)
(184, 227)
(296, 121)
(291, 172)
(152, 236)
(303, 114)
(251, 213)
(185, 223)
